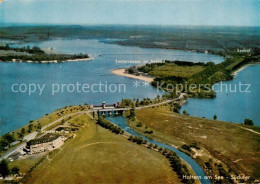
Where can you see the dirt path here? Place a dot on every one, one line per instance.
(248, 129)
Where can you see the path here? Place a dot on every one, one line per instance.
(248, 129)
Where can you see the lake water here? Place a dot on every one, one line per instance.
(230, 105)
(17, 109)
(121, 122)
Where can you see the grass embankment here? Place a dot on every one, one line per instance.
(96, 155)
(220, 147)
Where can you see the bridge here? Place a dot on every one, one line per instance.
(109, 111)
(116, 109)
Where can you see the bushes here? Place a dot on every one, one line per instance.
(6, 140)
(186, 147)
(248, 122)
(107, 125)
(148, 132)
(178, 167)
(136, 139)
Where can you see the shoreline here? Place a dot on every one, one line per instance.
(234, 73)
(46, 62)
(121, 72)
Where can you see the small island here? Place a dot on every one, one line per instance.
(37, 55)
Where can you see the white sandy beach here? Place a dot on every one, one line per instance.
(242, 68)
(121, 72)
(52, 61)
(83, 59)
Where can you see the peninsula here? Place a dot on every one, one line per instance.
(37, 55)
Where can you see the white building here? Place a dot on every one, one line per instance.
(46, 143)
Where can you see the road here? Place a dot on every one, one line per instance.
(34, 134)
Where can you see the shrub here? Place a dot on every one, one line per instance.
(248, 122)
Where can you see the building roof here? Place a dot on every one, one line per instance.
(44, 139)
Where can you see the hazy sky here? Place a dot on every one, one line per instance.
(162, 12)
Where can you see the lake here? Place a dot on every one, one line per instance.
(230, 105)
(17, 109)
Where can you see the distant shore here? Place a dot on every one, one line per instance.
(51, 61)
(121, 72)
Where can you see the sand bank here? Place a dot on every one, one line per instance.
(121, 72)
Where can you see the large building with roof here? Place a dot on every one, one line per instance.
(46, 143)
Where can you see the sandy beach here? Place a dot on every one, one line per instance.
(242, 68)
(51, 61)
(121, 72)
(83, 59)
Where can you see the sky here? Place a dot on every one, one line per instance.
(133, 12)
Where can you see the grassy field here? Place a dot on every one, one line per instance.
(237, 149)
(171, 69)
(96, 155)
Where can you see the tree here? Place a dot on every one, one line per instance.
(248, 122)
(215, 117)
(39, 126)
(126, 103)
(132, 112)
(9, 138)
(3, 144)
(4, 170)
(20, 136)
(15, 170)
(130, 138)
(137, 103)
(7, 46)
(177, 110)
(23, 131)
(30, 127)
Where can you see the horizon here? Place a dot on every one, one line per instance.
(14, 24)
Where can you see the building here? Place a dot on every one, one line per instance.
(46, 143)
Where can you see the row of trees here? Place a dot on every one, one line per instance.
(106, 124)
(175, 161)
(137, 140)
(145, 101)
(177, 166)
